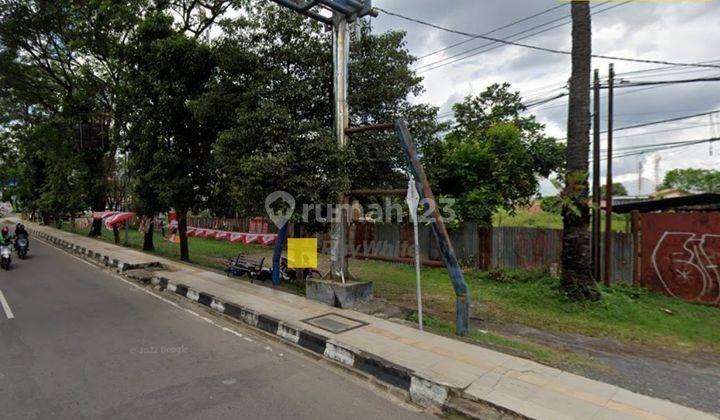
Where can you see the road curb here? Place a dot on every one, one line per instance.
(423, 391)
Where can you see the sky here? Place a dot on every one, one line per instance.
(669, 31)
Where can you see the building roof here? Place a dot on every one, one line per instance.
(696, 202)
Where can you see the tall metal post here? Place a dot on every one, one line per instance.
(596, 179)
(609, 181)
(127, 197)
(340, 220)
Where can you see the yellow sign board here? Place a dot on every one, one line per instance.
(302, 253)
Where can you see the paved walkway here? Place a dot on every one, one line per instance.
(438, 368)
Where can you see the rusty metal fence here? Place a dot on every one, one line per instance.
(484, 248)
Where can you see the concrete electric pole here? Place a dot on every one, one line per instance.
(343, 12)
(340, 219)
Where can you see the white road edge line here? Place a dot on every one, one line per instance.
(6, 306)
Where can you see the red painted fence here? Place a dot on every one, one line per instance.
(680, 255)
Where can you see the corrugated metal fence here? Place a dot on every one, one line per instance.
(501, 247)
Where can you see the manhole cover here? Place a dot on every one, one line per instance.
(335, 323)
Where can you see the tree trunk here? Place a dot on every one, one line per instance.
(148, 237)
(577, 281)
(182, 231)
(96, 229)
(116, 233)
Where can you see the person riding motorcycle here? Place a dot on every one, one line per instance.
(20, 232)
(5, 236)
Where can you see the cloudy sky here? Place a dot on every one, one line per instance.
(669, 31)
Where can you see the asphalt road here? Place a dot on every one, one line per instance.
(78, 342)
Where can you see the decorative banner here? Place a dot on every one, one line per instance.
(118, 218)
(266, 240)
(263, 240)
(99, 215)
(237, 237)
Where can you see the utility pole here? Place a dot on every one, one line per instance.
(343, 12)
(127, 196)
(609, 181)
(340, 220)
(596, 215)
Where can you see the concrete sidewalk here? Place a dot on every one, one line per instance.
(434, 370)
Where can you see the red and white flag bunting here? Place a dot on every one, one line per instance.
(103, 214)
(110, 221)
(263, 239)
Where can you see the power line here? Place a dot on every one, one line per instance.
(627, 85)
(494, 30)
(544, 49)
(546, 100)
(669, 82)
(641, 89)
(668, 130)
(662, 147)
(660, 69)
(630, 127)
(647, 124)
(432, 66)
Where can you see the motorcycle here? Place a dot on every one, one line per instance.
(21, 246)
(289, 274)
(5, 256)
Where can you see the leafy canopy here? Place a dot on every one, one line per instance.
(692, 180)
(493, 156)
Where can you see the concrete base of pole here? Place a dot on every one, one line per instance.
(339, 295)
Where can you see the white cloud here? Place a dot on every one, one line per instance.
(679, 32)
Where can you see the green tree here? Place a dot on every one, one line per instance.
(618, 189)
(551, 204)
(577, 281)
(493, 157)
(55, 66)
(274, 96)
(170, 73)
(692, 180)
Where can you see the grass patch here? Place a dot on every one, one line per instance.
(628, 314)
(546, 220)
(512, 345)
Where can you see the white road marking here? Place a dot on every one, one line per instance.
(6, 306)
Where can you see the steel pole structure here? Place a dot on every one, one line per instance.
(596, 179)
(462, 300)
(340, 220)
(609, 181)
(127, 196)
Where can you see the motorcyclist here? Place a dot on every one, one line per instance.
(5, 236)
(21, 232)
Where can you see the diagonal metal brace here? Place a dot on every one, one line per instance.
(462, 302)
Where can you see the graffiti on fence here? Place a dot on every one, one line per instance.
(686, 264)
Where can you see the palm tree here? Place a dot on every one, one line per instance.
(577, 281)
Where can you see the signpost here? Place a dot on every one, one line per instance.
(413, 199)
